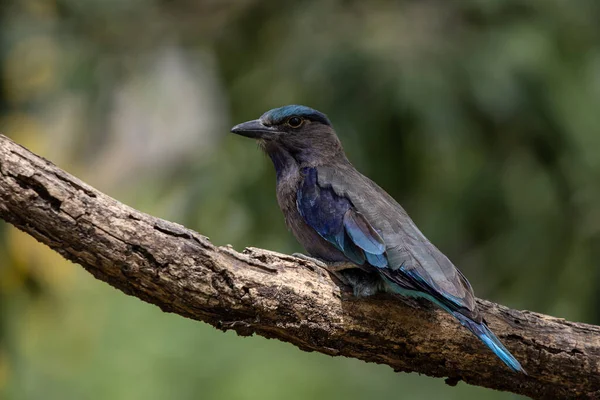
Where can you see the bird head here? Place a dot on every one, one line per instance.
(304, 133)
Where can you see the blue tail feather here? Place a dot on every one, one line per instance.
(490, 340)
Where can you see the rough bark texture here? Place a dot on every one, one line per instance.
(281, 297)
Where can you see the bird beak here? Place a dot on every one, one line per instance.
(254, 129)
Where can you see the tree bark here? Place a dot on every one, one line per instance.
(281, 297)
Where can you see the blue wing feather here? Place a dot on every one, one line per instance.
(335, 220)
(321, 210)
(353, 252)
(449, 300)
(377, 260)
(362, 233)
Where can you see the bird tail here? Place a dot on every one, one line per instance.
(490, 340)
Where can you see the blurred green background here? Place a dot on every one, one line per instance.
(480, 116)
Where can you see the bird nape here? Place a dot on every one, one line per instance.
(341, 217)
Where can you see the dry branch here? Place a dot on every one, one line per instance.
(280, 297)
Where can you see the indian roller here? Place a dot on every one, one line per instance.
(348, 223)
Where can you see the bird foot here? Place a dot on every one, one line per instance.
(313, 260)
(333, 268)
(340, 266)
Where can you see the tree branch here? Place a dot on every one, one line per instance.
(281, 297)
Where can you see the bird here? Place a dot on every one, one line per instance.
(350, 225)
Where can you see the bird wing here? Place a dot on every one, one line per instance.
(338, 222)
(368, 225)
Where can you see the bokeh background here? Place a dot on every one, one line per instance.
(480, 116)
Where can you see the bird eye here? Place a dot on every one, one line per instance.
(294, 122)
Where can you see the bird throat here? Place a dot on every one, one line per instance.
(283, 161)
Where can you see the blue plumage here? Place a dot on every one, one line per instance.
(322, 209)
(453, 302)
(377, 260)
(490, 340)
(334, 218)
(362, 233)
(281, 114)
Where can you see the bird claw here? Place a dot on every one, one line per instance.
(333, 268)
(313, 260)
(340, 266)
